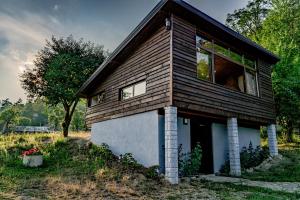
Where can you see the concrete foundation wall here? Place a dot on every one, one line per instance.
(220, 142)
(137, 134)
(184, 135)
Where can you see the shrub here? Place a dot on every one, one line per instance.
(250, 158)
(189, 163)
(152, 172)
(127, 160)
(102, 152)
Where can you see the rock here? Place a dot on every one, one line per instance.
(33, 161)
(186, 179)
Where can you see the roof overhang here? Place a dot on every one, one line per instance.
(188, 12)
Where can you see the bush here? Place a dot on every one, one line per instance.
(190, 163)
(127, 160)
(250, 158)
(253, 157)
(152, 172)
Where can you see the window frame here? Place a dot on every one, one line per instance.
(121, 98)
(214, 53)
(97, 102)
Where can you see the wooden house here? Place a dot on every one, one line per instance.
(182, 78)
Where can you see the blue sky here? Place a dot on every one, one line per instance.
(26, 24)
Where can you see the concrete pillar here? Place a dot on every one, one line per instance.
(272, 140)
(233, 144)
(171, 145)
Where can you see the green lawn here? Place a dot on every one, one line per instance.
(288, 170)
(76, 169)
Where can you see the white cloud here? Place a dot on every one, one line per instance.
(25, 36)
(56, 7)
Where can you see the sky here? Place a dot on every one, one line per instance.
(26, 24)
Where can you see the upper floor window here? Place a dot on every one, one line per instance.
(222, 66)
(133, 90)
(94, 100)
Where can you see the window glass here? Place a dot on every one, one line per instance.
(221, 50)
(251, 85)
(140, 88)
(250, 63)
(203, 65)
(96, 99)
(203, 43)
(229, 74)
(133, 90)
(127, 92)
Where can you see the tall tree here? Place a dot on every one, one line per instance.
(277, 28)
(248, 21)
(281, 34)
(61, 67)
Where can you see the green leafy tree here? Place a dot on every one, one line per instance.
(248, 21)
(61, 67)
(55, 117)
(277, 27)
(78, 120)
(10, 115)
(281, 34)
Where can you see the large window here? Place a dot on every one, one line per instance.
(222, 66)
(133, 90)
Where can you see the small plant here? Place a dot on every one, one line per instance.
(152, 172)
(189, 163)
(128, 161)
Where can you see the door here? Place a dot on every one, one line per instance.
(201, 133)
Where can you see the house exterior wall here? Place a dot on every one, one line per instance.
(150, 61)
(184, 135)
(192, 94)
(220, 142)
(137, 134)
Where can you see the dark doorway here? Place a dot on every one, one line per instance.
(201, 133)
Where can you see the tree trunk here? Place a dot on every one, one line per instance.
(289, 136)
(68, 117)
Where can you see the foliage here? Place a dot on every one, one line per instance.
(10, 114)
(152, 172)
(189, 163)
(128, 161)
(61, 68)
(249, 20)
(279, 32)
(249, 157)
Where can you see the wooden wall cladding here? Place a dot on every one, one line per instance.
(150, 62)
(190, 93)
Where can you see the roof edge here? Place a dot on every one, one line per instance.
(135, 31)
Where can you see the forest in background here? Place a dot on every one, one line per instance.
(38, 113)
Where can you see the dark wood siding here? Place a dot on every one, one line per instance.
(150, 62)
(190, 93)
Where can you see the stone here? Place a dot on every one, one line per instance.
(33, 160)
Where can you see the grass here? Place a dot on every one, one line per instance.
(287, 170)
(76, 169)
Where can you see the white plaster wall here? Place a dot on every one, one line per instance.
(220, 145)
(220, 142)
(184, 135)
(249, 134)
(137, 134)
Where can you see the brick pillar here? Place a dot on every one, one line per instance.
(234, 149)
(272, 140)
(171, 145)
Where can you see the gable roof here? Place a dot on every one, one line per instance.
(187, 11)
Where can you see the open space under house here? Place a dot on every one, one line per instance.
(182, 78)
